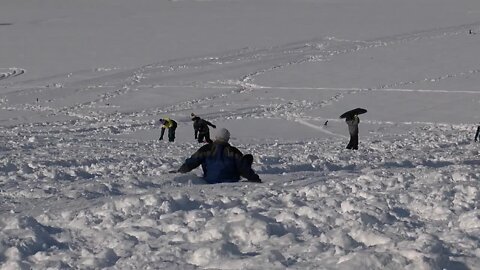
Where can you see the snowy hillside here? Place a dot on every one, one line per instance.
(84, 181)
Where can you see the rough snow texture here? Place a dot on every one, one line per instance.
(84, 181)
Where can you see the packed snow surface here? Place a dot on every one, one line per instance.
(85, 183)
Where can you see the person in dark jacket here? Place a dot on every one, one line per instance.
(221, 162)
(477, 134)
(352, 123)
(201, 130)
(169, 124)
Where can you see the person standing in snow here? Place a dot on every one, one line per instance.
(169, 124)
(221, 162)
(477, 134)
(201, 130)
(352, 122)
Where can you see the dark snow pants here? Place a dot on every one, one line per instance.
(171, 133)
(353, 143)
(204, 135)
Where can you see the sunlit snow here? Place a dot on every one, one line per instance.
(84, 181)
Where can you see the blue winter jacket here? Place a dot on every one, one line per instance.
(220, 162)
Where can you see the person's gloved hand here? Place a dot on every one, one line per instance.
(214, 126)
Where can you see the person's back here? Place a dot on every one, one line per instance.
(200, 125)
(221, 162)
(169, 123)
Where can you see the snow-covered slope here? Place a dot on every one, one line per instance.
(84, 182)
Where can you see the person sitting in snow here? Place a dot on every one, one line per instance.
(477, 134)
(352, 123)
(201, 130)
(221, 162)
(169, 124)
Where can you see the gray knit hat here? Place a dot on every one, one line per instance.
(222, 135)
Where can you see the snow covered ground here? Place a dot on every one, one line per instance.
(84, 182)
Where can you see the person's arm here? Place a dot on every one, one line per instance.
(210, 124)
(195, 160)
(477, 133)
(190, 163)
(161, 133)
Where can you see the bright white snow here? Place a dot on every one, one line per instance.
(84, 183)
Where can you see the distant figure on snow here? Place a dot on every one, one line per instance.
(169, 124)
(477, 134)
(352, 122)
(221, 162)
(201, 130)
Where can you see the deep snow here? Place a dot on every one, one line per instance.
(84, 182)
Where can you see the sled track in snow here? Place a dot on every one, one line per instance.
(236, 70)
(190, 70)
(325, 48)
(6, 73)
(269, 59)
(346, 89)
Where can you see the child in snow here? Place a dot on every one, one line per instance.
(352, 123)
(201, 130)
(221, 162)
(169, 124)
